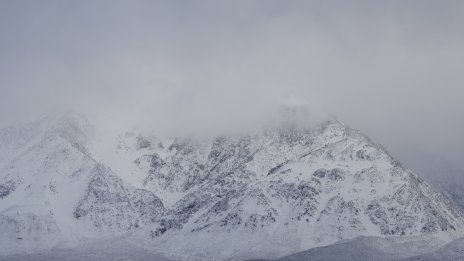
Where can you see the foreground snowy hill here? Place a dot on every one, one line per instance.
(452, 251)
(265, 194)
(359, 249)
(101, 250)
(380, 249)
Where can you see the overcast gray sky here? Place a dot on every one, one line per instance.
(393, 69)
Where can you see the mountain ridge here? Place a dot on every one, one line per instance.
(265, 191)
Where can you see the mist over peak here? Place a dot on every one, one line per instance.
(231, 130)
(390, 69)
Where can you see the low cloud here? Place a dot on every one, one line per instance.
(391, 69)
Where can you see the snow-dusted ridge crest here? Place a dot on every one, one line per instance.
(266, 194)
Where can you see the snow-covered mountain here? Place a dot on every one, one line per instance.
(442, 174)
(265, 194)
(52, 190)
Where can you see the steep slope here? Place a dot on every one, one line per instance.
(54, 192)
(285, 190)
(442, 174)
(16, 139)
(266, 194)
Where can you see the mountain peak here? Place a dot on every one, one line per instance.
(300, 116)
(312, 182)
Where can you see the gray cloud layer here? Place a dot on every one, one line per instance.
(390, 68)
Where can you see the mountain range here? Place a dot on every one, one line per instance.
(268, 193)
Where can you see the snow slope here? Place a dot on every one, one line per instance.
(101, 250)
(264, 194)
(375, 248)
(282, 191)
(453, 251)
(55, 192)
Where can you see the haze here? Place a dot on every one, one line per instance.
(392, 69)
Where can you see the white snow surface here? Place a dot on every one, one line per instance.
(267, 194)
